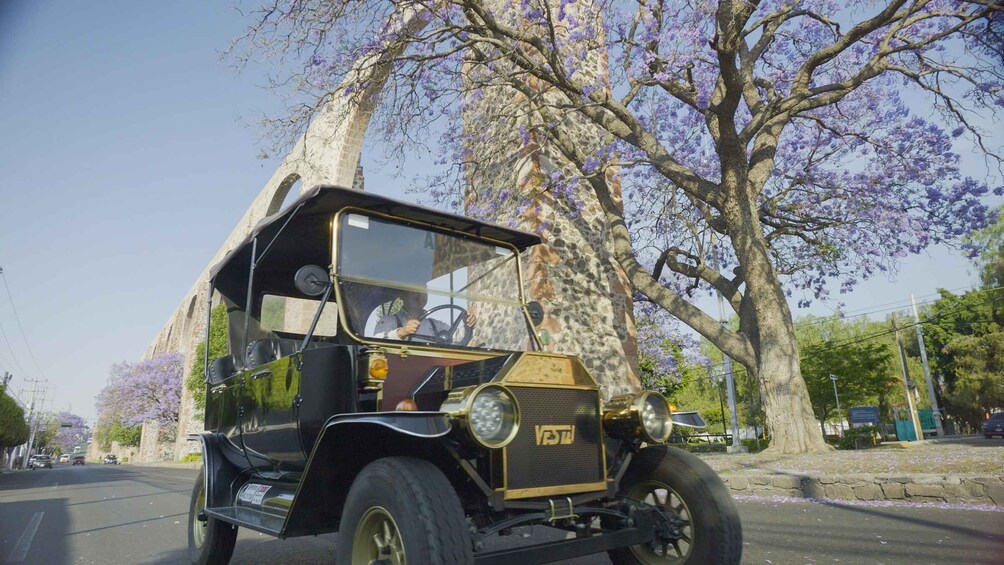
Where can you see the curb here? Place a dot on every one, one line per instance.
(951, 489)
(168, 464)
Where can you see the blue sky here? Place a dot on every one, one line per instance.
(126, 158)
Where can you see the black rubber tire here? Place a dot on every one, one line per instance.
(422, 504)
(717, 530)
(220, 537)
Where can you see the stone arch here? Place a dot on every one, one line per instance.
(327, 153)
(190, 317)
(279, 196)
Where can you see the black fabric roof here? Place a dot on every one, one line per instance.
(320, 202)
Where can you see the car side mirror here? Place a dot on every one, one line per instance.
(312, 280)
(536, 312)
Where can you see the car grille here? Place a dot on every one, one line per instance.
(563, 459)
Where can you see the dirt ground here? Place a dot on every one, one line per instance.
(970, 455)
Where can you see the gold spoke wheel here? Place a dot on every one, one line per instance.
(199, 526)
(377, 540)
(663, 497)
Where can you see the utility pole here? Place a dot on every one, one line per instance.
(31, 435)
(730, 383)
(33, 417)
(927, 371)
(908, 383)
(840, 419)
(4, 453)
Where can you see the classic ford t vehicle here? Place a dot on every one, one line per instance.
(386, 381)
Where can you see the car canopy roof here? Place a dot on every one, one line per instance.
(316, 206)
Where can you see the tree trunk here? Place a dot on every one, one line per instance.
(790, 418)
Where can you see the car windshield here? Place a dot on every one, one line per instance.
(458, 290)
(997, 417)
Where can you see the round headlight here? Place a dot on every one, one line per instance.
(489, 412)
(656, 419)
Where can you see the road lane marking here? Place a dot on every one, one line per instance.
(24, 542)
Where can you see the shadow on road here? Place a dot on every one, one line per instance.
(64, 475)
(43, 543)
(118, 498)
(922, 521)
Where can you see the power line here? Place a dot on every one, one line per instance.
(4, 363)
(19, 327)
(3, 333)
(880, 308)
(859, 339)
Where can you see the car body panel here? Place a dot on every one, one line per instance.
(292, 418)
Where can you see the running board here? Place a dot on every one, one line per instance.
(566, 549)
(249, 518)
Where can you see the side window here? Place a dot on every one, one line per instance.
(291, 315)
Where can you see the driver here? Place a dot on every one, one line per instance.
(409, 321)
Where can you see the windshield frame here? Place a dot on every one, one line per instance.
(343, 318)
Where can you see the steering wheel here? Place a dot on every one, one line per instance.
(445, 337)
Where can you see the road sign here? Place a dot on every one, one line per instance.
(864, 416)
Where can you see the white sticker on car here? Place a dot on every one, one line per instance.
(359, 221)
(253, 493)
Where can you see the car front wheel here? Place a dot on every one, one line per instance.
(210, 541)
(402, 510)
(682, 486)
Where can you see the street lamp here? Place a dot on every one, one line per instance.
(840, 420)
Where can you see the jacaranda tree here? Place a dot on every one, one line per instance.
(147, 390)
(763, 149)
(72, 432)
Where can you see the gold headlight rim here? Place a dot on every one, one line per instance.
(622, 417)
(639, 405)
(461, 412)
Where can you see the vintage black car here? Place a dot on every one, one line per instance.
(386, 381)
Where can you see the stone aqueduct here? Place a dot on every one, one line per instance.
(329, 153)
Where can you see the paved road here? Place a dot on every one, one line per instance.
(126, 514)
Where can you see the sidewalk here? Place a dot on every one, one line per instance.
(958, 470)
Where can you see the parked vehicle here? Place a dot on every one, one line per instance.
(386, 380)
(110, 460)
(77, 459)
(39, 462)
(64, 458)
(994, 426)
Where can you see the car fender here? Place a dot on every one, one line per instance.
(219, 473)
(346, 444)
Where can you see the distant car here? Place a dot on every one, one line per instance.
(77, 459)
(64, 458)
(40, 461)
(110, 460)
(994, 426)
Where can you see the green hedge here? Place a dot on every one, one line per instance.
(860, 437)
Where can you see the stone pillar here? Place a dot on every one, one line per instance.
(149, 444)
(585, 294)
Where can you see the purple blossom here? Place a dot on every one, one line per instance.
(74, 434)
(147, 390)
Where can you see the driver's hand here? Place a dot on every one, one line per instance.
(472, 319)
(408, 329)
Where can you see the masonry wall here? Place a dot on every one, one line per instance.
(588, 310)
